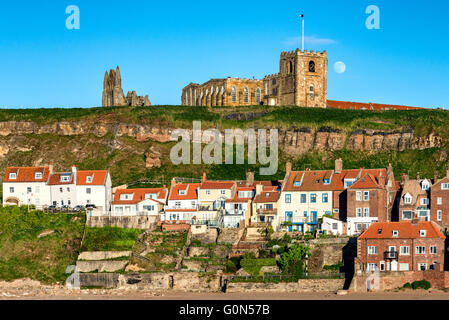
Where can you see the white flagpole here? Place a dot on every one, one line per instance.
(302, 17)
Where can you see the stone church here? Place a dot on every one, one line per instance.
(301, 81)
(113, 93)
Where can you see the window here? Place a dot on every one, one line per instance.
(305, 214)
(445, 186)
(234, 94)
(358, 212)
(208, 192)
(13, 176)
(366, 212)
(29, 190)
(366, 196)
(349, 182)
(288, 198)
(245, 95)
(61, 190)
(297, 183)
(433, 249)
(68, 189)
(358, 196)
(303, 198)
(407, 215)
(38, 175)
(425, 186)
(404, 250)
(439, 215)
(424, 201)
(64, 178)
(223, 191)
(311, 66)
(334, 226)
(404, 267)
(439, 200)
(178, 204)
(422, 233)
(395, 233)
(126, 196)
(312, 88)
(193, 204)
(89, 179)
(148, 208)
(88, 191)
(258, 95)
(325, 198)
(422, 266)
(327, 181)
(372, 250)
(313, 198)
(407, 199)
(372, 267)
(182, 192)
(11, 189)
(420, 250)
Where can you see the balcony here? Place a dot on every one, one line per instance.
(267, 211)
(391, 255)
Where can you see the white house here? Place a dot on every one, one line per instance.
(94, 187)
(182, 203)
(27, 186)
(238, 208)
(333, 226)
(137, 202)
(63, 188)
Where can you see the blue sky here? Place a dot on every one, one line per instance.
(161, 46)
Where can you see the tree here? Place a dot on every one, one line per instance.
(292, 261)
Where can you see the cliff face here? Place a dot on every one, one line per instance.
(293, 141)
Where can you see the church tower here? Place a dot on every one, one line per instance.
(303, 79)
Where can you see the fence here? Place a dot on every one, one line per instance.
(276, 278)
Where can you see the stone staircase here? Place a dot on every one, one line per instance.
(251, 241)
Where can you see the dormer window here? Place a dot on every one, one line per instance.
(425, 185)
(267, 195)
(379, 231)
(395, 233)
(65, 178)
(407, 199)
(327, 181)
(126, 196)
(297, 183)
(148, 196)
(422, 233)
(89, 179)
(38, 175)
(13, 176)
(349, 182)
(182, 192)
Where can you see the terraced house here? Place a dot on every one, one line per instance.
(439, 201)
(182, 203)
(139, 202)
(414, 202)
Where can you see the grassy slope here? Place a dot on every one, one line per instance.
(127, 163)
(23, 254)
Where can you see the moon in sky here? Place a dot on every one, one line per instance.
(339, 67)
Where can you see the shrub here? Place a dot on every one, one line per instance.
(423, 284)
(230, 267)
(292, 261)
(408, 285)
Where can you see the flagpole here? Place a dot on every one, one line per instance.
(302, 17)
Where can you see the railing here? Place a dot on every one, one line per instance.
(209, 223)
(275, 278)
(266, 211)
(391, 255)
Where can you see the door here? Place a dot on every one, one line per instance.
(314, 215)
(394, 265)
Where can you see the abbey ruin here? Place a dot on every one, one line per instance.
(113, 93)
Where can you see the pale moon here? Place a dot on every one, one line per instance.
(339, 67)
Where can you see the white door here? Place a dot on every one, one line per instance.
(394, 265)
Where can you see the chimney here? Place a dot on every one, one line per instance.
(435, 178)
(404, 178)
(173, 182)
(249, 178)
(415, 221)
(381, 179)
(204, 177)
(50, 167)
(288, 168)
(338, 165)
(259, 189)
(74, 169)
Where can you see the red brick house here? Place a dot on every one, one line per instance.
(414, 202)
(401, 246)
(439, 201)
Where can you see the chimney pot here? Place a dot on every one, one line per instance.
(338, 165)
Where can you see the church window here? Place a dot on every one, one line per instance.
(245, 95)
(311, 66)
(258, 95)
(234, 94)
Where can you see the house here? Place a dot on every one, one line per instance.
(238, 208)
(333, 226)
(306, 196)
(401, 246)
(139, 202)
(27, 186)
(94, 187)
(182, 203)
(414, 201)
(212, 196)
(439, 201)
(63, 188)
(265, 206)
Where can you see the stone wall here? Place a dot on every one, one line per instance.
(304, 285)
(392, 280)
(136, 222)
(102, 280)
(103, 255)
(101, 266)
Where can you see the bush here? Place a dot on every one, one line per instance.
(423, 284)
(408, 285)
(230, 267)
(292, 261)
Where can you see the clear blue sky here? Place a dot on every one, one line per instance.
(161, 46)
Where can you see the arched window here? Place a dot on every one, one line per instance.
(311, 66)
(258, 95)
(201, 99)
(191, 97)
(217, 95)
(222, 96)
(312, 88)
(266, 88)
(207, 97)
(245, 95)
(290, 67)
(234, 94)
(273, 81)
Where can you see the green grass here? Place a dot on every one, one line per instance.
(24, 255)
(253, 266)
(109, 239)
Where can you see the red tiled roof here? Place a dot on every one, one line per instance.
(217, 185)
(191, 191)
(347, 105)
(55, 178)
(139, 195)
(99, 177)
(273, 196)
(180, 210)
(27, 174)
(367, 181)
(236, 196)
(406, 230)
